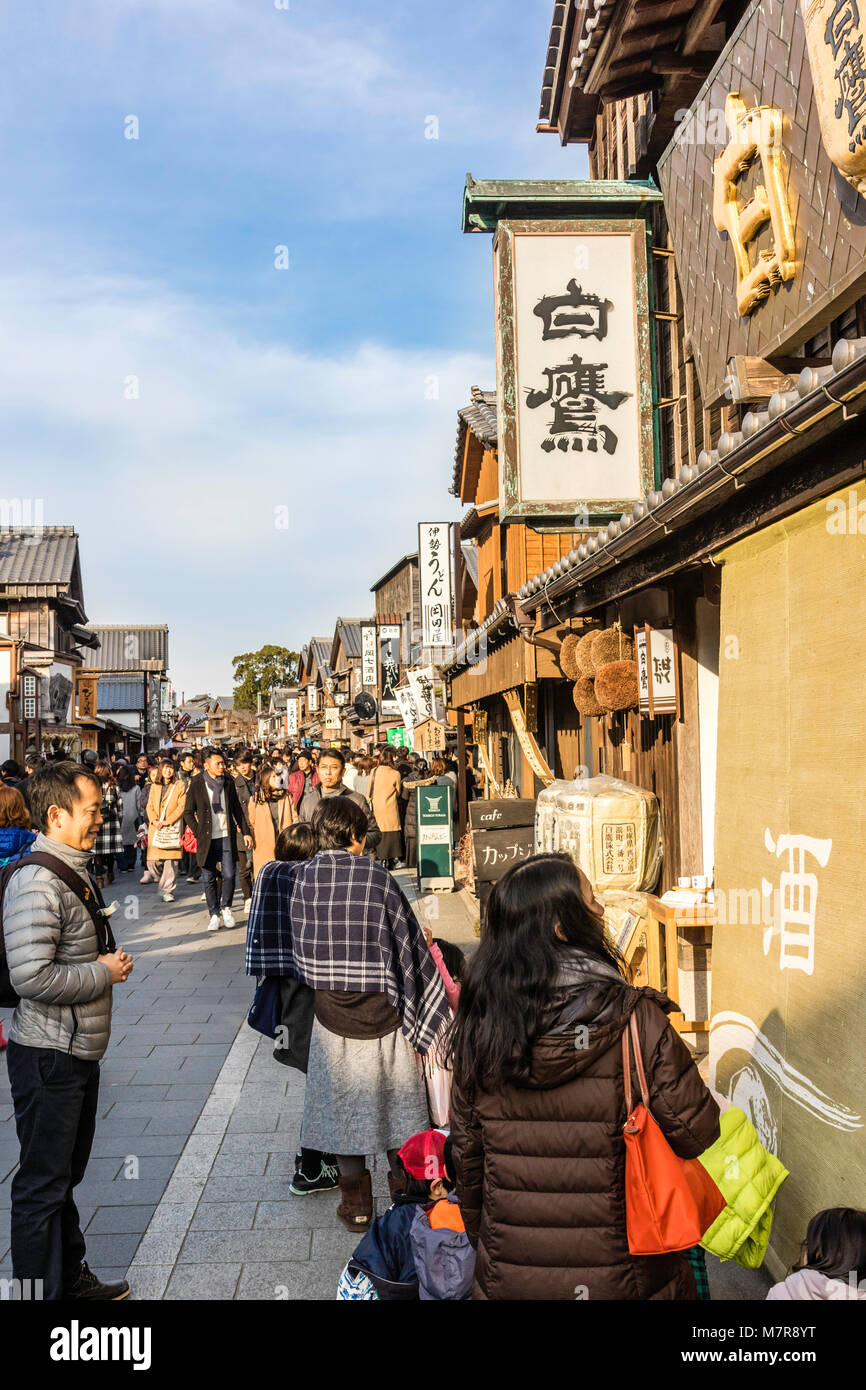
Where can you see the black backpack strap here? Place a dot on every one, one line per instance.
(88, 893)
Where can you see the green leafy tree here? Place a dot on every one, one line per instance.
(258, 672)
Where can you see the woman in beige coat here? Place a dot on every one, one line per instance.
(384, 794)
(270, 810)
(165, 807)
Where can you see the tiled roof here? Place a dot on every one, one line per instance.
(479, 417)
(38, 555)
(389, 574)
(349, 632)
(118, 693)
(321, 650)
(125, 646)
(560, 16)
(225, 701)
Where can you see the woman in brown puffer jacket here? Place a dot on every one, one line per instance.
(538, 1101)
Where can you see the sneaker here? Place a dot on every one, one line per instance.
(146, 878)
(326, 1180)
(228, 917)
(167, 897)
(214, 923)
(193, 878)
(87, 1285)
(203, 898)
(248, 902)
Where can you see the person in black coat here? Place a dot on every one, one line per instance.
(216, 817)
(245, 785)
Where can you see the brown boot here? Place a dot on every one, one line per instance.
(395, 1185)
(356, 1209)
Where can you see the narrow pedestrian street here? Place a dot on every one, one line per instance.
(186, 1193)
(427, 870)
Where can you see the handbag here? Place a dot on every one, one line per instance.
(264, 1014)
(188, 841)
(167, 836)
(437, 1079)
(669, 1201)
(297, 1003)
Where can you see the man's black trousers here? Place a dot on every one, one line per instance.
(55, 1097)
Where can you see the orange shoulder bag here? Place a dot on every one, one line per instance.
(669, 1202)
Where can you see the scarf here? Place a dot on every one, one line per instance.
(341, 922)
(216, 785)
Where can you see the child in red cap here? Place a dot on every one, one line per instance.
(419, 1248)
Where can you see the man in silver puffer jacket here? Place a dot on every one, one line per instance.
(60, 1030)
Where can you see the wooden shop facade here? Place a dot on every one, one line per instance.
(740, 565)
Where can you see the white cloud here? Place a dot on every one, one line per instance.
(174, 493)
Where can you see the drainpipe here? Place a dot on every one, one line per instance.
(526, 627)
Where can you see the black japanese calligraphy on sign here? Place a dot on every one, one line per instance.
(843, 37)
(389, 662)
(662, 669)
(576, 389)
(434, 559)
(574, 314)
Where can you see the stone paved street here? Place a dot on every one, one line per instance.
(187, 1187)
(173, 1027)
(186, 1193)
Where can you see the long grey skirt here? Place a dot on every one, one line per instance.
(363, 1096)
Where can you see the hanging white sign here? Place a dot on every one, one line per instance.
(428, 692)
(574, 387)
(434, 570)
(292, 716)
(408, 707)
(368, 656)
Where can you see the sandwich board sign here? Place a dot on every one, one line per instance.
(433, 807)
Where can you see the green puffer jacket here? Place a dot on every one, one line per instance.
(749, 1178)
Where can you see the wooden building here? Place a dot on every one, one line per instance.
(130, 672)
(494, 668)
(749, 548)
(313, 672)
(44, 639)
(345, 663)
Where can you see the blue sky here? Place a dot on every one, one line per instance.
(245, 449)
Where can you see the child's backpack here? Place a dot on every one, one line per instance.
(443, 1256)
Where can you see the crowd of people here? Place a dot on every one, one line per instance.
(497, 1088)
(214, 815)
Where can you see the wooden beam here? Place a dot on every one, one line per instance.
(702, 18)
(630, 86)
(756, 378)
(609, 45)
(667, 30)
